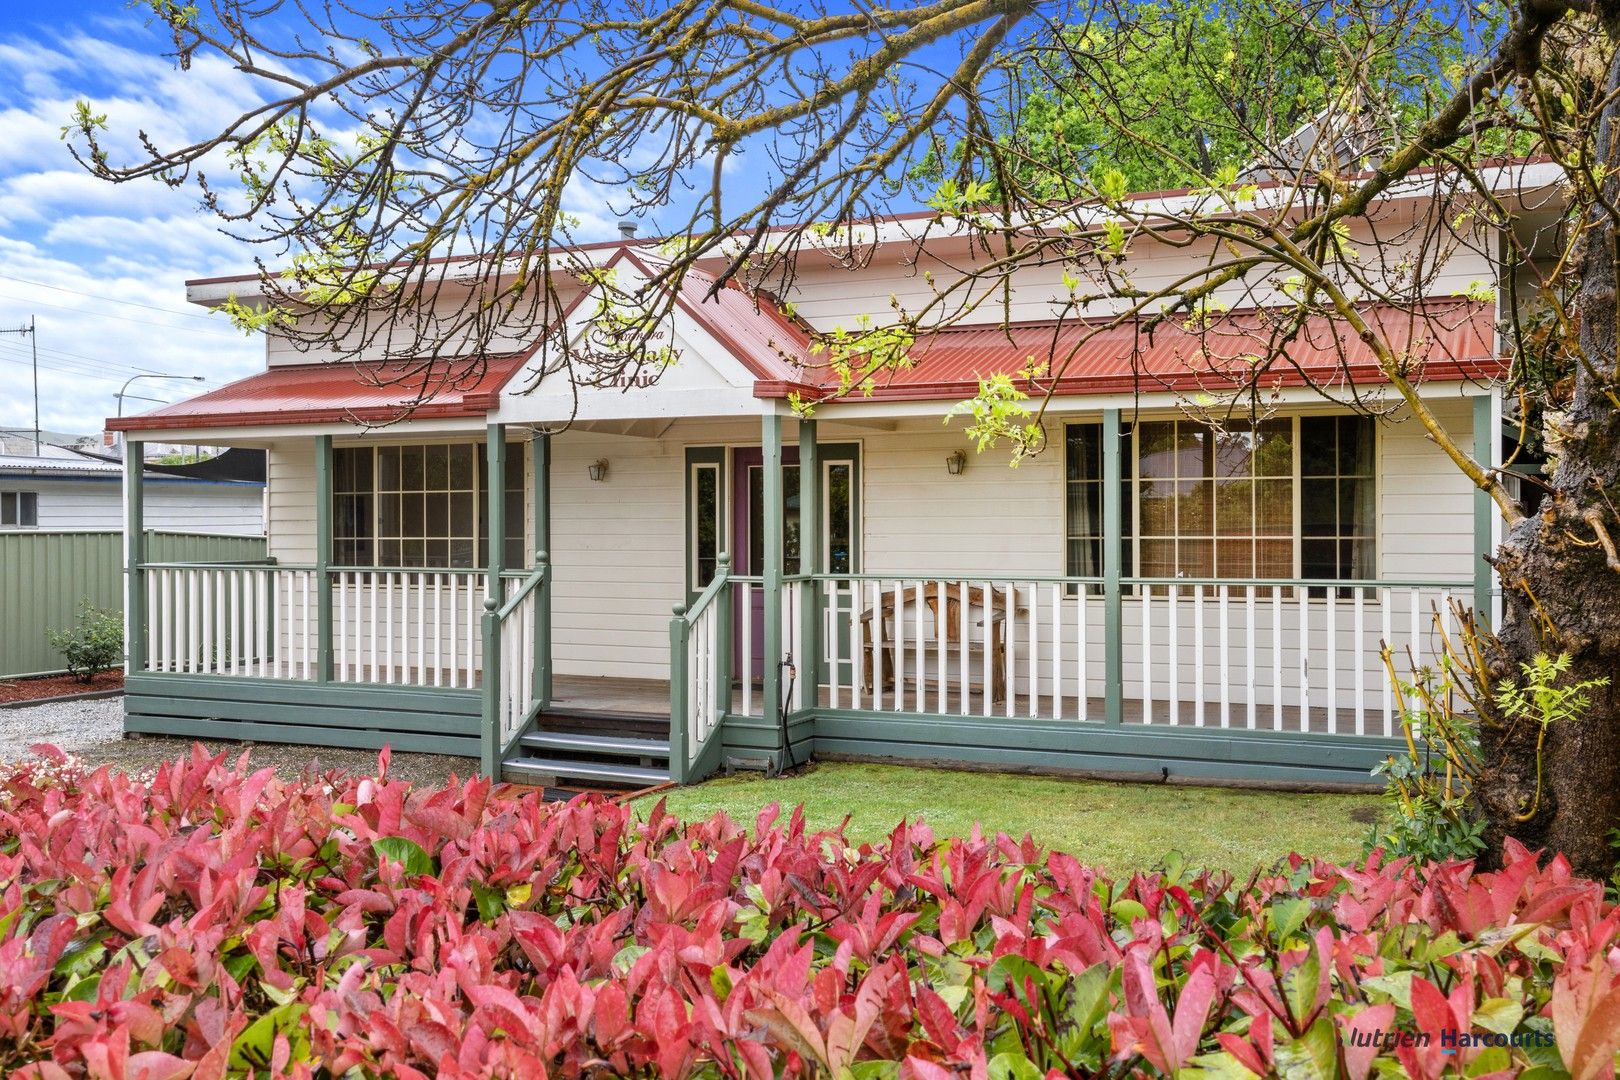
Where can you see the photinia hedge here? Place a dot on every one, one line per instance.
(215, 921)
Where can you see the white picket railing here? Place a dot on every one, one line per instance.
(706, 699)
(409, 627)
(700, 640)
(402, 627)
(750, 671)
(247, 620)
(1224, 654)
(515, 699)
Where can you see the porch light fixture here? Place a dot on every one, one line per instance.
(598, 469)
(956, 462)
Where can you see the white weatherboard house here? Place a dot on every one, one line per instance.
(686, 572)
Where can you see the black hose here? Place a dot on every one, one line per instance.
(784, 695)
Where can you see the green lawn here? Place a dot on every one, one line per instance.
(1122, 827)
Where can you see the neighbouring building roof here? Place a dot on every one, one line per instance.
(62, 463)
(322, 393)
(74, 466)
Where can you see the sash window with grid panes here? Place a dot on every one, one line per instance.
(421, 506)
(1289, 497)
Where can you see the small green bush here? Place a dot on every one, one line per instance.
(93, 644)
(1431, 812)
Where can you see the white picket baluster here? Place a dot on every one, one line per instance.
(1146, 592)
(1226, 665)
(1251, 647)
(1173, 597)
(1010, 676)
(943, 649)
(1304, 600)
(1057, 652)
(307, 647)
(1198, 655)
(1359, 657)
(1417, 631)
(919, 696)
(964, 642)
(1389, 637)
(1034, 649)
(1082, 704)
(1331, 613)
(1276, 659)
(878, 671)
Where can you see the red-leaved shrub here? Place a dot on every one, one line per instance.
(219, 922)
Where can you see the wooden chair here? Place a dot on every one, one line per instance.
(954, 595)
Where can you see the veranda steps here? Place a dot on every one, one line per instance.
(601, 748)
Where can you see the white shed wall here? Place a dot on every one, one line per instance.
(185, 507)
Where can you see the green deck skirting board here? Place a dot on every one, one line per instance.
(226, 708)
(447, 721)
(1206, 752)
(239, 731)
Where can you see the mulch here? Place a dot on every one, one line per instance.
(52, 686)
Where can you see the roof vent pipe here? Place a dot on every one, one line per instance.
(627, 230)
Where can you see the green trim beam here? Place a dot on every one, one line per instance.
(771, 636)
(324, 659)
(541, 457)
(1113, 558)
(495, 541)
(679, 722)
(134, 556)
(810, 539)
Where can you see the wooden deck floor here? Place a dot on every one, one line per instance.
(651, 697)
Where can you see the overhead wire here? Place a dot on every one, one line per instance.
(29, 301)
(109, 299)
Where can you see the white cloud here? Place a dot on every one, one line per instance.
(102, 267)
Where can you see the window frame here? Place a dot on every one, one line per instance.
(517, 470)
(20, 500)
(1131, 481)
(699, 459)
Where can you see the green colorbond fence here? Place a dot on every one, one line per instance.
(45, 575)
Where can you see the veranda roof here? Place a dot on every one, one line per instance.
(378, 392)
(1449, 339)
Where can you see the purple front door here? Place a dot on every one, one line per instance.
(748, 498)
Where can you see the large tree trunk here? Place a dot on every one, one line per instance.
(1562, 594)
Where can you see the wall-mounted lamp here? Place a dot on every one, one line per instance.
(598, 469)
(956, 462)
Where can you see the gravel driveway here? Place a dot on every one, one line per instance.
(94, 730)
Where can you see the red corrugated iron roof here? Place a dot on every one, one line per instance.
(1449, 339)
(324, 393)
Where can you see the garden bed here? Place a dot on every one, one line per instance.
(56, 686)
(216, 921)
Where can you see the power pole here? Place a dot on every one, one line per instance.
(33, 341)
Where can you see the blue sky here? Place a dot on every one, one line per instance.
(102, 267)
